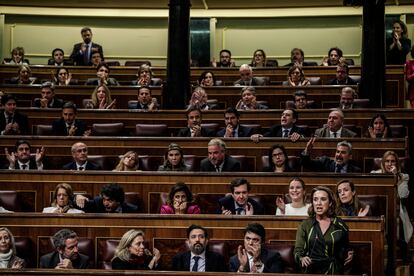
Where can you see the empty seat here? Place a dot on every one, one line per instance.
(315, 80)
(362, 103)
(25, 250)
(357, 79)
(137, 62)
(150, 163)
(151, 130)
(111, 129)
(108, 252)
(243, 162)
(113, 63)
(256, 127)
(134, 199)
(286, 252)
(42, 130)
(398, 131)
(8, 200)
(212, 126)
(99, 160)
(191, 161)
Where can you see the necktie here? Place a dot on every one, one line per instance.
(335, 134)
(253, 268)
(10, 119)
(145, 106)
(286, 133)
(86, 55)
(195, 266)
(24, 166)
(239, 210)
(338, 168)
(68, 128)
(218, 168)
(81, 168)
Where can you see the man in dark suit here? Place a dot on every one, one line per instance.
(145, 101)
(48, 98)
(66, 254)
(111, 200)
(21, 160)
(297, 56)
(253, 256)
(225, 60)
(217, 160)
(340, 164)
(80, 159)
(198, 259)
(342, 77)
(82, 52)
(346, 100)
(68, 125)
(12, 122)
(194, 128)
(334, 126)
(239, 203)
(233, 127)
(247, 78)
(286, 129)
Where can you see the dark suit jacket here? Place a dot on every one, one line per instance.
(255, 82)
(18, 118)
(52, 259)
(272, 261)
(242, 131)
(324, 132)
(90, 166)
(324, 164)
(205, 132)
(57, 103)
(230, 165)
(59, 128)
(227, 203)
(276, 131)
(348, 81)
(214, 262)
(96, 82)
(77, 56)
(32, 165)
(96, 206)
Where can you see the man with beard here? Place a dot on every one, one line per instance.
(68, 125)
(198, 259)
(82, 52)
(253, 256)
(225, 60)
(194, 128)
(239, 203)
(286, 129)
(340, 164)
(218, 160)
(334, 126)
(111, 200)
(233, 127)
(66, 254)
(20, 159)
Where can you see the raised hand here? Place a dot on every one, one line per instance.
(249, 209)
(10, 157)
(225, 211)
(280, 204)
(242, 256)
(363, 212)
(40, 153)
(309, 144)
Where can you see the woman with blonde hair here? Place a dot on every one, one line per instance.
(390, 164)
(24, 76)
(62, 200)
(128, 162)
(8, 258)
(131, 253)
(199, 99)
(101, 98)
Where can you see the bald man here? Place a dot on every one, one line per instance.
(80, 159)
(334, 126)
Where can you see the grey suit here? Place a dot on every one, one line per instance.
(324, 132)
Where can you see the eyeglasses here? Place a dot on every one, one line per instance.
(81, 150)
